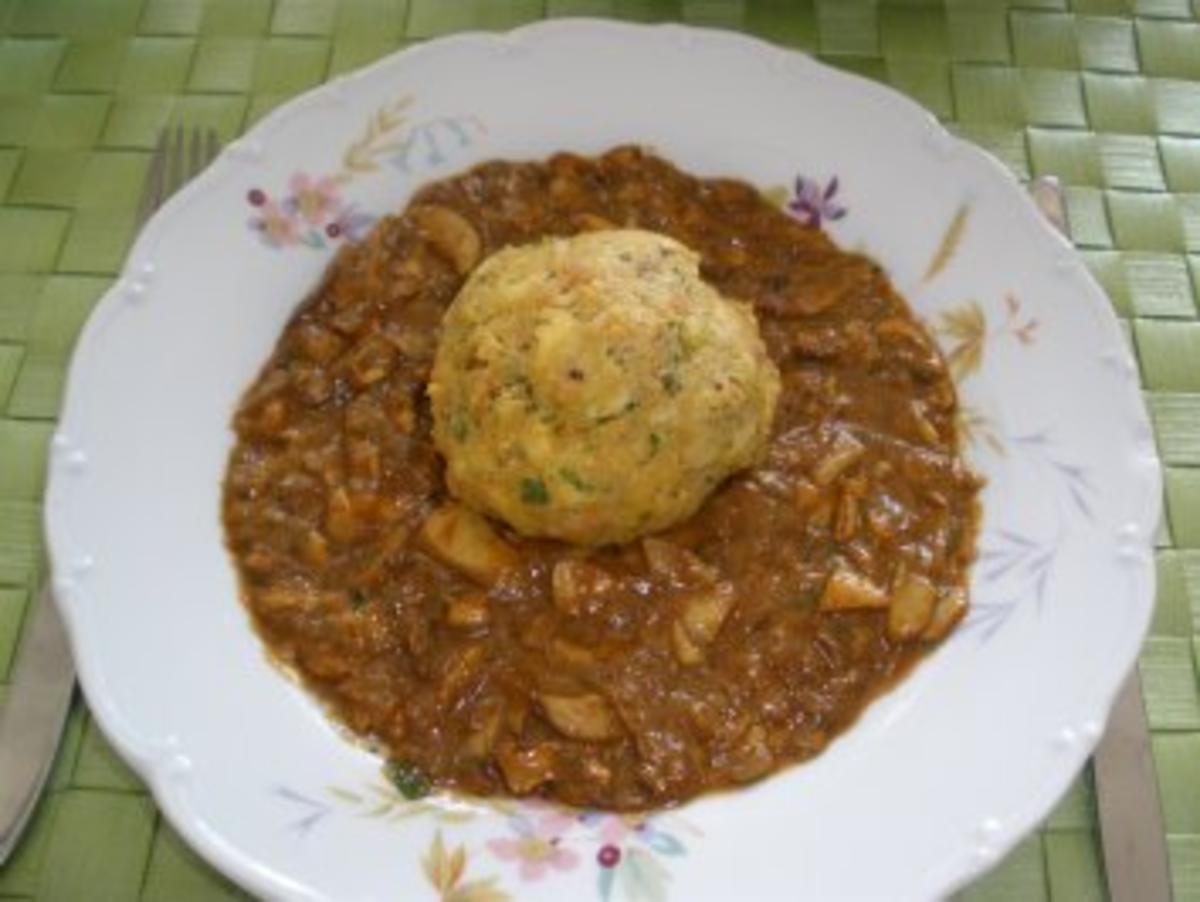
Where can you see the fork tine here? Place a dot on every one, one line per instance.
(152, 191)
(195, 155)
(177, 175)
(179, 156)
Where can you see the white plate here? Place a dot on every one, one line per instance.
(941, 776)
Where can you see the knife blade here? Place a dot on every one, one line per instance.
(1132, 831)
(1131, 823)
(31, 722)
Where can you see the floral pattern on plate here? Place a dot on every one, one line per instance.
(315, 211)
(813, 203)
(1012, 566)
(630, 854)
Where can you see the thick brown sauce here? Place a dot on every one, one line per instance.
(334, 474)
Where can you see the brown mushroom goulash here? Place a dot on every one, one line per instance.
(628, 676)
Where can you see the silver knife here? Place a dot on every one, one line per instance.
(1131, 823)
(31, 722)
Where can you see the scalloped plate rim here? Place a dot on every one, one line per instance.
(174, 803)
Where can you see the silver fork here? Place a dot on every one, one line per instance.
(31, 722)
(178, 158)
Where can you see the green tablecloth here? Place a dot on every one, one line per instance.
(1103, 93)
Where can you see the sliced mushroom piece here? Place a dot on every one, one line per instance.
(899, 329)
(538, 630)
(516, 712)
(403, 413)
(571, 654)
(700, 620)
(923, 425)
(573, 582)
(912, 607)
(405, 277)
(597, 771)
(317, 343)
(849, 590)
(526, 769)
(341, 522)
(590, 222)
(813, 298)
(485, 729)
(371, 360)
(846, 519)
(805, 494)
(313, 383)
(468, 611)
(272, 417)
(389, 548)
(415, 338)
(820, 516)
(704, 613)
(351, 320)
(450, 235)
(845, 453)
(315, 550)
(459, 673)
(687, 652)
(269, 386)
(589, 717)
(881, 525)
(262, 560)
(675, 563)
(950, 609)
(752, 758)
(284, 598)
(463, 539)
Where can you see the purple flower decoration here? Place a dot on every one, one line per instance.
(350, 224)
(812, 204)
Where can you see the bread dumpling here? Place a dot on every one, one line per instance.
(595, 388)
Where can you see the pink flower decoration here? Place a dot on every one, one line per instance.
(553, 824)
(537, 855)
(616, 827)
(314, 199)
(278, 228)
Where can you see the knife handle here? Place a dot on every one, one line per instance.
(1131, 821)
(31, 723)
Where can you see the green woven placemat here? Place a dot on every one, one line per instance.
(1103, 93)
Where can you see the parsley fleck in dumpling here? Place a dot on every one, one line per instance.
(595, 388)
